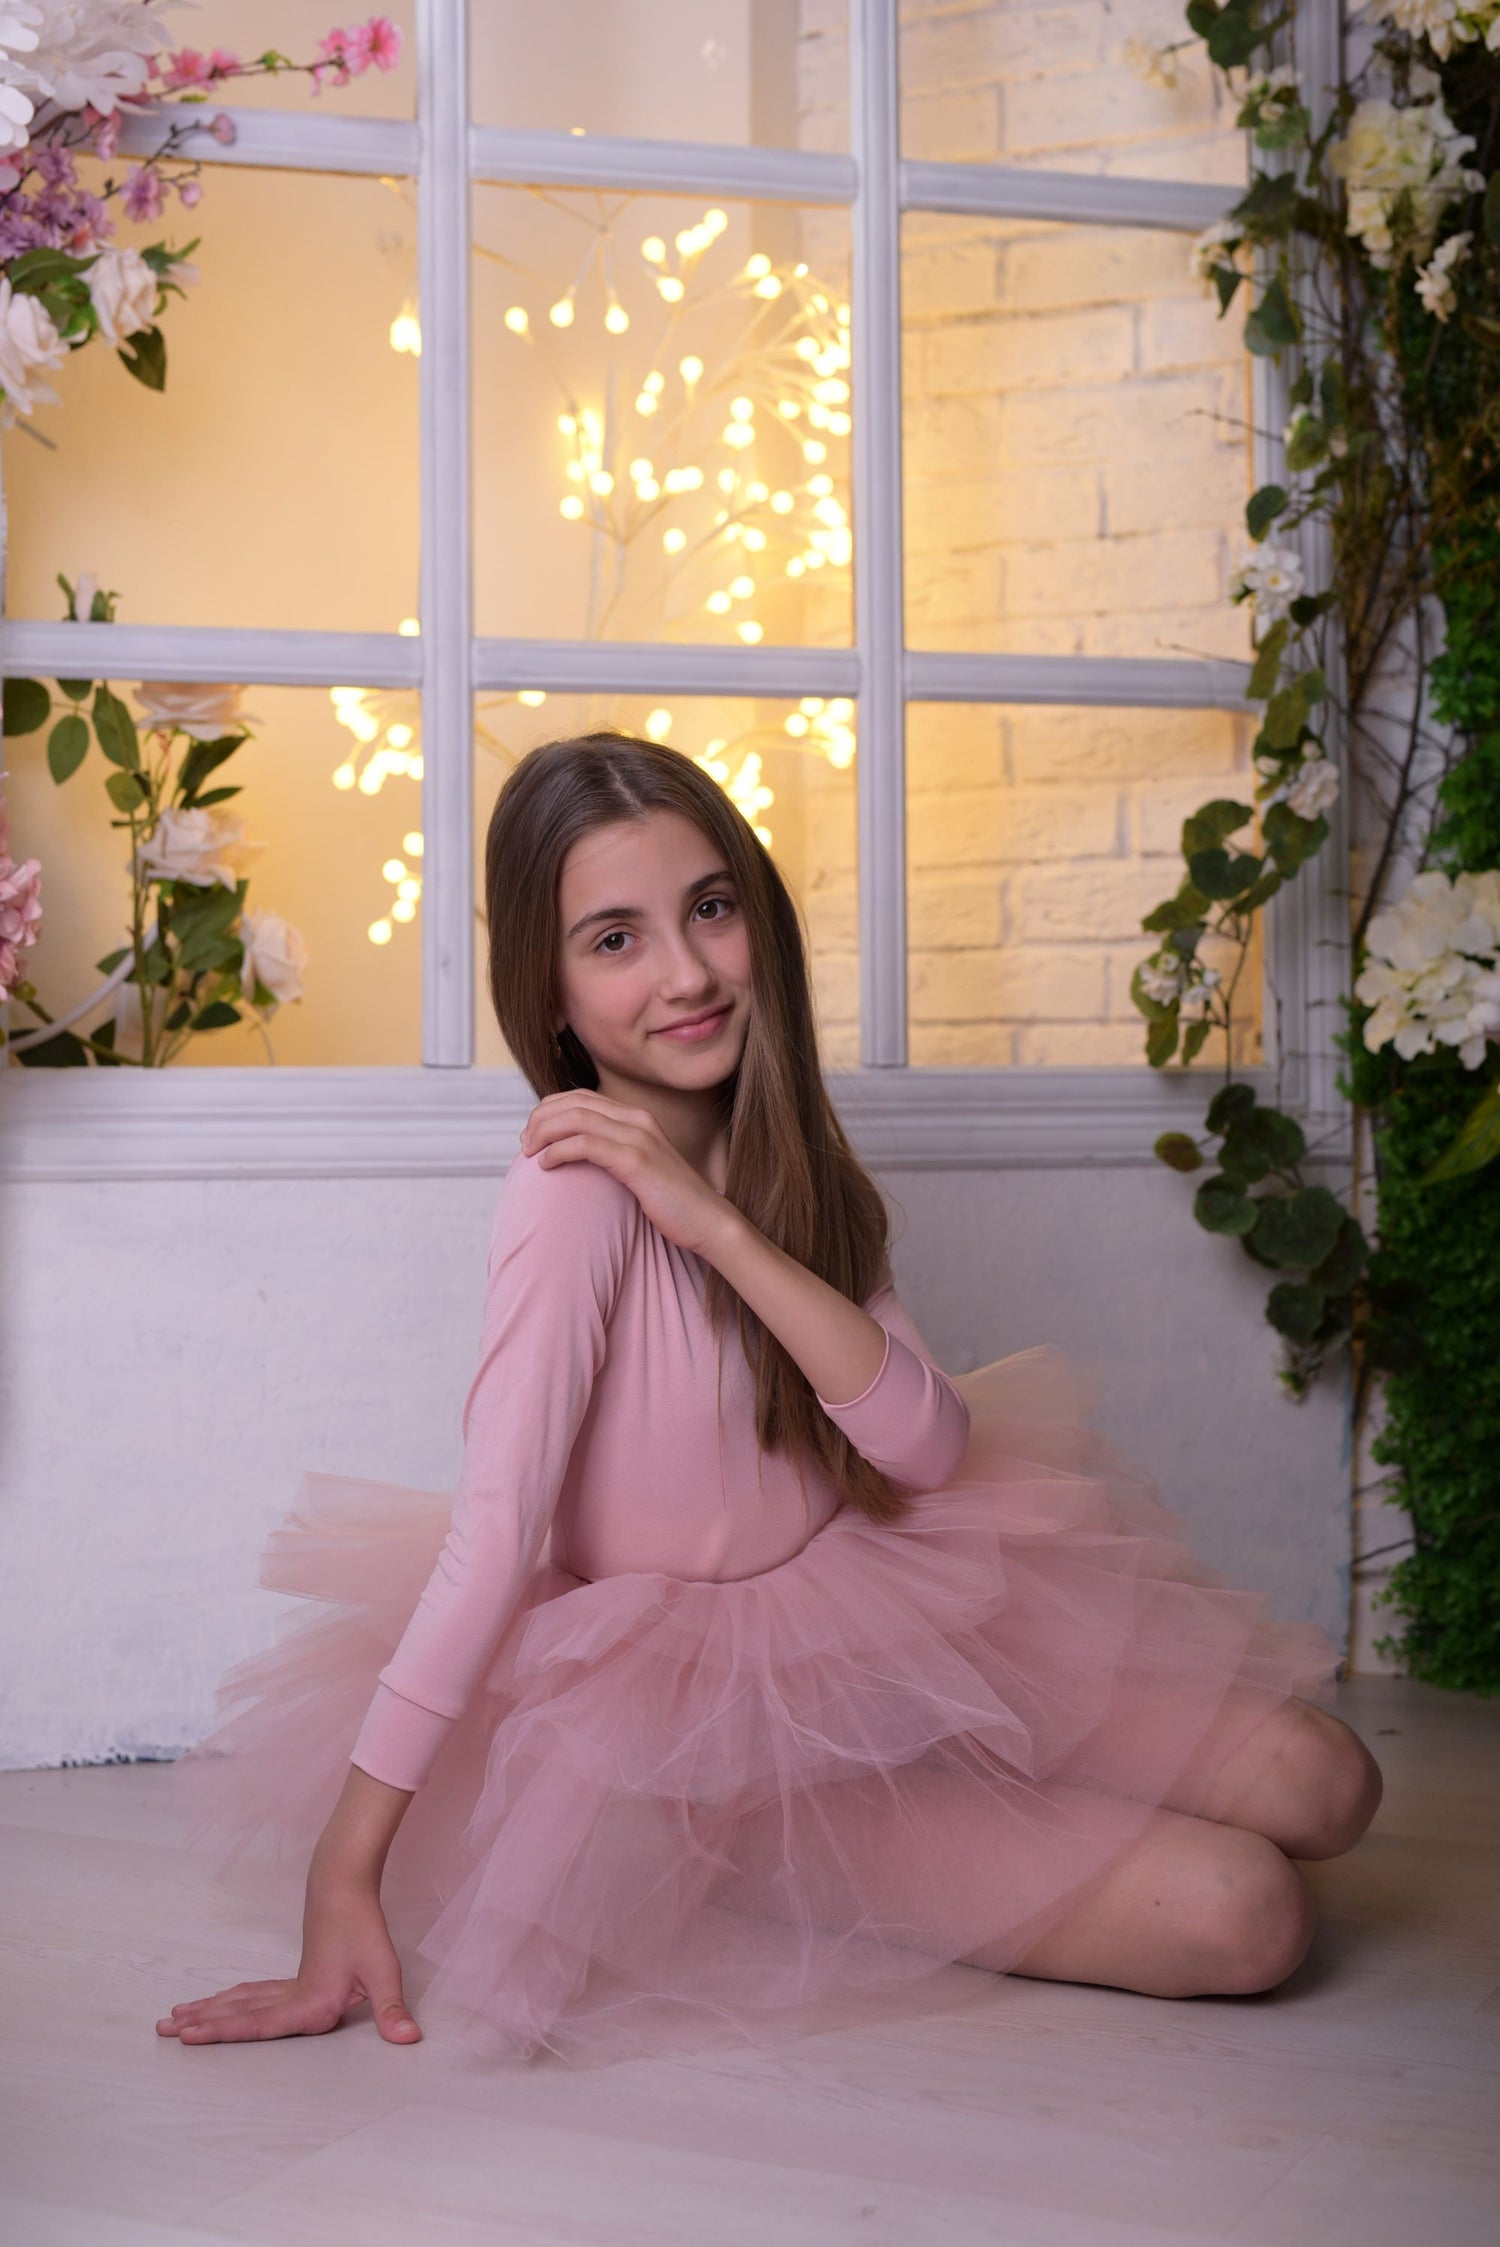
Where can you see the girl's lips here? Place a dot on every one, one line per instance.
(693, 1033)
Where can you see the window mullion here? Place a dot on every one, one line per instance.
(879, 619)
(446, 595)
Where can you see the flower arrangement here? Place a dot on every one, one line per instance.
(197, 957)
(69, 71)
(1368, 247)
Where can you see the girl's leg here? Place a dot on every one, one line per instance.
(1296, 1774)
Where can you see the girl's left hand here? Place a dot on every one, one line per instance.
(629, 1143)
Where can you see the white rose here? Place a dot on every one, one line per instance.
(275, 954)
(28, 340)
(1314, 787)
(1162, 980)
(197, 846)
(1270, 578)
(123, 288)
(202, 708)
(86, 51)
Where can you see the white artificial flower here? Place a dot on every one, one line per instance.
(1270, 578)
(86, 51)
(16, 112)
(1162, 978)
(197, 846)
(1215, 247)
(122, 289)
(1311, 786)
(1436, 21)
(203, 709)
(29, 341)
(1431, 977)
(1193, 1006)
(1154, 64)
(275, 954)
(1435, 279)
(1390, 153)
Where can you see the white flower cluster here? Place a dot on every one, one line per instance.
(1270, 578)
(1409, 157)
(1433, 976)
(1186, 984)
(1435, 278)
(1220, 247)
(1444, 24)
(1308, 788)
(71, 54)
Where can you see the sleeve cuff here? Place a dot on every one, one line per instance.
(870, 1386)
(911, 1422)
(399, 1739)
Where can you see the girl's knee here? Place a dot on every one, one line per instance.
(1336, 1782)
(1256, 1918)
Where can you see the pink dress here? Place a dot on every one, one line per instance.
(701, 1756)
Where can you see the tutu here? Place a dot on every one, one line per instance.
(681, 1813)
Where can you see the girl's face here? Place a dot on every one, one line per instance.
(652, 936)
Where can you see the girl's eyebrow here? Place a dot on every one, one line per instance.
(638, 912)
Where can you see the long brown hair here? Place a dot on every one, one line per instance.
(791, 1170)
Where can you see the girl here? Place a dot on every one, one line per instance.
(840, 1677)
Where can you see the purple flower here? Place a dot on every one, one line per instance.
(54, 164)
(143, 197)
(223, 128)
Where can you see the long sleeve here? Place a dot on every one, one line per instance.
(911, 1422)
(557, 1252)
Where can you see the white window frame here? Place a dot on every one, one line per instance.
(447, 1117)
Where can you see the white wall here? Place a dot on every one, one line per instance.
(174, 1355)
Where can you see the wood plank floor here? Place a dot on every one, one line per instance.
(1358, 2103)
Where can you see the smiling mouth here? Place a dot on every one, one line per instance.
(696, 1021)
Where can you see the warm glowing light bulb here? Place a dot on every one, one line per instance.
(796, 725)
(408, 887)
(616, 318)
(690, 368)
(671, 289)
(561, 313)
(715, 221)
(726, 481)
(782, 503)
(742, 587)
(567, 425)
(674, 540)
(409, 628)
(718, 603)
(399, 737)
(820, 485)
(795, 566)
(741, 409)
(648, 489)
(769, 288)
(645, 403)
(641, 469)
(750, 632)
(571, 507)
(532, 697)
(653, 249)
(516, 319)
(406, 331)
(814, 450)
(403, 910)
(754, 539)
(412, 844)
(757, 267)
(738, 434)
(379, 932)
(659, 723)
(344, 777)
(394, 870)
(602, 482)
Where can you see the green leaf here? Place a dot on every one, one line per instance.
(1220, 1206)
(1307, 444)
(1244, 1159)
(111, 960)
(1273, 324)
(1344, 1262)
(67, 746)
(1186, 910)
(1221, 876)
(1294, 1311)
(127, 791)
(1161, 1039)
(1282, 131)
(1179, 1151)
(1262, 509)
(27, 705)
(1230, 1105)
(62, 1051)
(1226, 280)
(77, 690)
(1207, 828)
(1267, 665)
(116, 730)
(1286, 712)
(1298, 1228)
(215, 796)
(145, 356)
(1478, 1141)
(201, 760)
(1260, 892)
(35, 270)
(1290, 840)
(1195, 1038)
(218, 1016)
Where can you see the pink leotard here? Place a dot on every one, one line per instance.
(604, 1410)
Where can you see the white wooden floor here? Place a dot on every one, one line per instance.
(1359, 2103)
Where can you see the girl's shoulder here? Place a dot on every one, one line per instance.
(568, 1212)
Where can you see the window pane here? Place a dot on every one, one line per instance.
(788, 766)
(1045, 82)
(1077, 428)
(771, 74)
(330, 833)
(249, 27)
(671, 461)
(274, 482)
(1037, 838)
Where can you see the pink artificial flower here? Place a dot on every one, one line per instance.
(191, 191)
(187, 68)
(335, 49)
(223, 128)
(222, 64)
(105, 140)
(143, 196)
(20, 912)
(377, 41)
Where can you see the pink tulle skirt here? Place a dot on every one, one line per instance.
(680, 1814)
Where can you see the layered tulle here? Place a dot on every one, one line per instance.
(682, 1813)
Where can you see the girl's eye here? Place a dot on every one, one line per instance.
(613, 953)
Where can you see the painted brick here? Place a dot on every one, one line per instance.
(1195, 635)
(960, 744)
(1094, 1045)
(1044, 266)
(1159, 809)
(969, 986)
(993, 43)
(953, 128)
(950, 277)
(1180, 413)
(1076, 903)
(985, 826)
(1186, 331)
(945, 435)
(1012, 353)
(1087, 109)
(960, 1045)
(983, 510)
(951, 589)
(1161, 492)
(1119, 574)
(1064, 743)
(945, 913)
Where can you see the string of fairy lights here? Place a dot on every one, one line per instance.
(707, 481)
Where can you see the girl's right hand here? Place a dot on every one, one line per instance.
(347, 1956)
